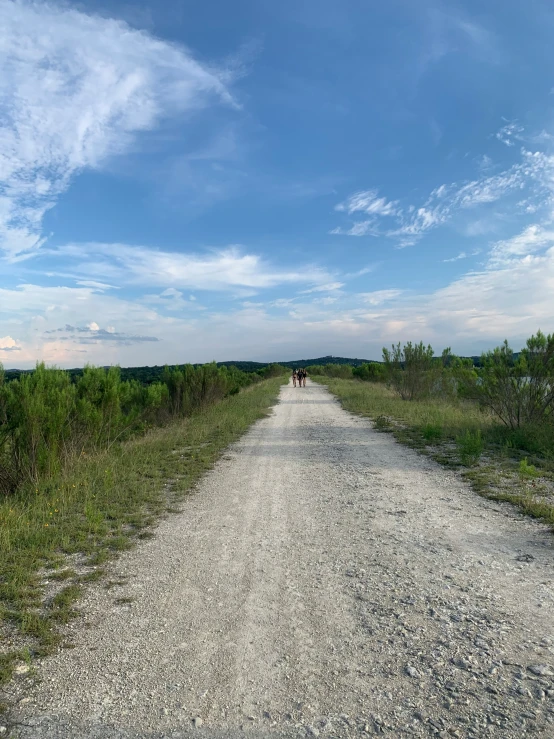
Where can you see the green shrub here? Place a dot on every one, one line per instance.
(527, 470)
(470, 447)
(410, 369)
(432, 432)
(382, 423)
(49, 416)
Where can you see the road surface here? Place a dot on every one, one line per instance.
(322, 580)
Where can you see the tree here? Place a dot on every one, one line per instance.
(519, 389)
(410, 369)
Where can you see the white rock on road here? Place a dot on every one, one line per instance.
(315, 562)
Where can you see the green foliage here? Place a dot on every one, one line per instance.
(470, 447)
(343, 371)
(432, 432)
(382, 423)
(527, 470)
(410, 369)
(371, 372)
(47, 418)
(518, 389)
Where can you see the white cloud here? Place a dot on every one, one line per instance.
(461, 255)
(531, 240)
(533, 175)
(95, 284)
(226, 269)
(368, 201)
(7, 344)
(377, 297)
(510, 133)
(93, 326)
(328, 287)
(75, 95)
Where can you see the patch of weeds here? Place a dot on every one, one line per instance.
(99, 558)
(93, 576)
(124, 601)
(146, 535)
(382, 423)
(120, 543)
(61, 606)
(63, 575)
(432, 432)
(446, 461)
(7, 663)
(470, 447)
(527, 470)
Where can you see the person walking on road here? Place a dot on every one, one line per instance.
(294, 377)
(304, 375)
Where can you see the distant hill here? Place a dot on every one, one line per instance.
(253, 366)
(149, 374)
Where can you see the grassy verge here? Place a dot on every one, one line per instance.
(461, 436)
(55, 537)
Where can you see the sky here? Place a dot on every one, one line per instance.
(187, 182)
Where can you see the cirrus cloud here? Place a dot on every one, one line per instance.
(76, 95)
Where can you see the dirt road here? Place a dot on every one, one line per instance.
(322, 580)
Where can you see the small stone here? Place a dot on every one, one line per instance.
(411, 671)
(22, 669)
(197, 722)
(525, 558)
(541, 670)
(3, 730)
(312, 731)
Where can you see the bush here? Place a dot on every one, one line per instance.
(518, 389)
(432, 432)
(410, 369)
(46, 418)
(371, 372)
(527, 470)
(470, 447)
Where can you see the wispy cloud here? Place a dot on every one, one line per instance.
(532, 240)
(368, 201)
(224, 269)
(93, 334)
(532, 175)
(377, 297)
(327, 287)
(461, 255)
(76, 95)
(510, 133)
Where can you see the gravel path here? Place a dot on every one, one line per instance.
(322, 580)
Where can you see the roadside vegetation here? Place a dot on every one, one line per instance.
(86, 469)
(493, 421)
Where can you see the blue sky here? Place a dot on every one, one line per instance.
(186, 181)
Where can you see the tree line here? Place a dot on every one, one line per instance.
(49, 417)
(518, 388)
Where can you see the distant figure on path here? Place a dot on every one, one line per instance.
(294, 376)
(304, 375)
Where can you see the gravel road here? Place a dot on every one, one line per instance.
(322, 580)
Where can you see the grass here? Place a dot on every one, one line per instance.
(58, 533)
(461, 436)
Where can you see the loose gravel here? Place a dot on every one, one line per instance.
(322, 580)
